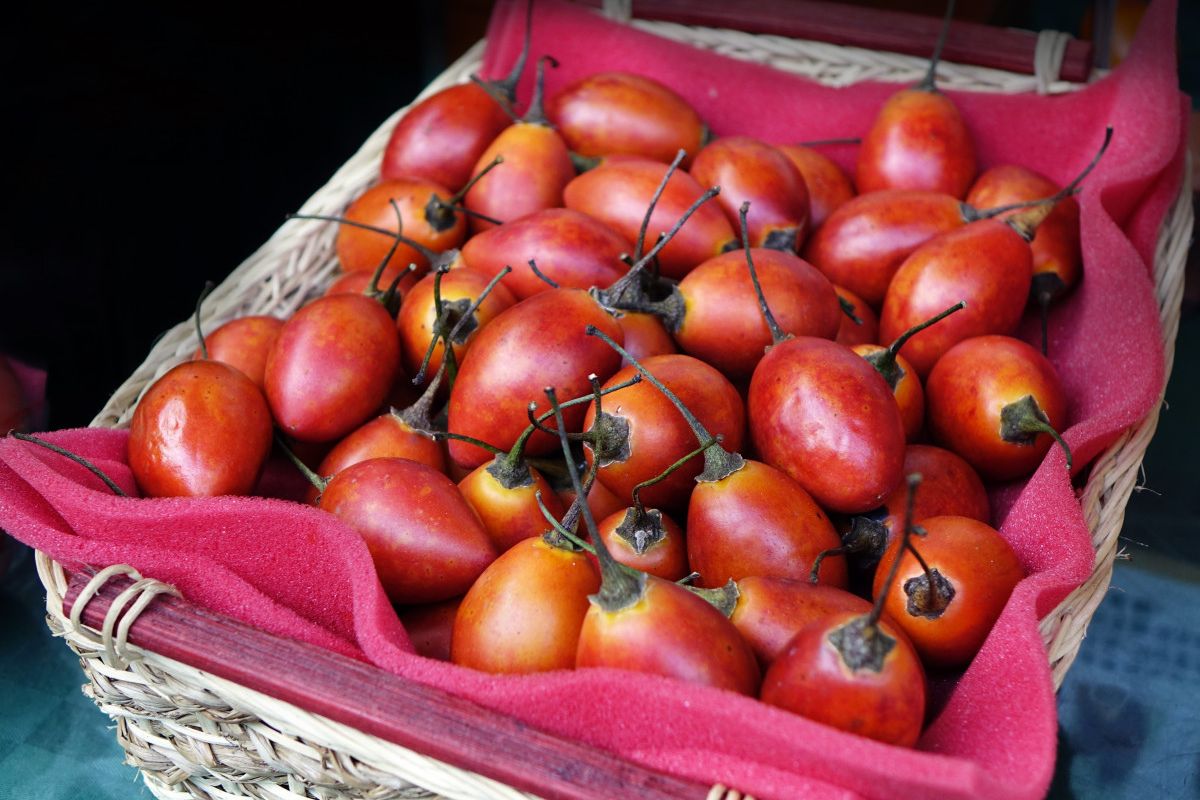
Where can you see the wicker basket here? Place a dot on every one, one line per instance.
(196, 735)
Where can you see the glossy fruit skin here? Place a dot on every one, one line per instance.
(982, 568)
(429, 627)
(972, 383)
(758, 521)
(659, 435)
(571, 248)
(509, 515)
(244, 344)
(331, 367)
(986, 263)
(537, 166)
(524, 613)
(829, 187)
(949, 487)
(665, 558)
(910, 397)
(1055, 245)
(618, 192)
(810, 679)
(749, 170)
(851, 333)
(201, 430)
(359, 249)
(426, 542)
(771, 611)
(722, 322)
(917, 141)
(864, 242)
(418, 315)
(385, 436)
(670, 632)
(823, 415)
(441, 138)
(613, 113)
(541, 341)
(645, 336)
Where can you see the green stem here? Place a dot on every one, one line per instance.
(814, 575)
(620, 587)
(316, 480)
(666, 473)
(558, 526)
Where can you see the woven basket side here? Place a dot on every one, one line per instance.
(1117, 471)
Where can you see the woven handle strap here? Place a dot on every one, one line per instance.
(114, 634)
(1048, 58)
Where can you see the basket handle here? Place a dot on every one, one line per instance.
(1008, 49)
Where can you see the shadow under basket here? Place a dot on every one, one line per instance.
(196, 734)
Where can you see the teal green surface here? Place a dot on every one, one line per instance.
(54, 743)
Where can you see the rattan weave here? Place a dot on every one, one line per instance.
(197, 736)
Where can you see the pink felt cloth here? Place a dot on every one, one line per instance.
(297, 572)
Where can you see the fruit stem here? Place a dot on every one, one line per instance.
(929, 82)
(666, 473)
(508, 85)
(777, 333)
(814, 576)
(536, 114)
(620, 587)
(848, 310)
(823, 142)
(662, 186)
(544, 277)
(78, 459)
(1024, 418)
(453, 201)
(462, 437)
(208, 287)
(397, 235)
(316, 480)
(724, 599)
(913, 480)
(558, 526)
(903, 338)
(1026, 223)
(626, 293)
(719, 463)
(417, 416)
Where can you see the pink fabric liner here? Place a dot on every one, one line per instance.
(297, 572)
